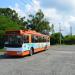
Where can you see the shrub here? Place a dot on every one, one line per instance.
(69, 40)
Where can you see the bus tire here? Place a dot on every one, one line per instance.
(31, 52)
(45, 48)
(32, 49)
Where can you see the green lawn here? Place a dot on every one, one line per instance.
(2, 50)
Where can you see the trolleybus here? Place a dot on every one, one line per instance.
(24, 42)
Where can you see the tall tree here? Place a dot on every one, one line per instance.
(13, 16)
(38, 22)
(7, 24)
(55, 38)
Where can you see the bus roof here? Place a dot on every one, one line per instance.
(24, 32)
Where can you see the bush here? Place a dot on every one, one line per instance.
(55, 38)
(2, 40)
(69, 40)
(53, 41)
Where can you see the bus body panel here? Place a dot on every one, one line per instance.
(28, 46)
(24, 41)
(24, 50)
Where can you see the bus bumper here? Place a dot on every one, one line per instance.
(16, 53)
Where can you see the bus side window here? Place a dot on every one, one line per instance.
(25, 39)
(34, 39)
(40, 39)
(44, 39)
(48, 39)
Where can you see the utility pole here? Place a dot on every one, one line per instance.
(60, 33)
(70, 30)
(52, 28)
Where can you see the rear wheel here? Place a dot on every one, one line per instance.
(31, 51)
(45, 48)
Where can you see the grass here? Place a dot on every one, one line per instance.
(2, 50)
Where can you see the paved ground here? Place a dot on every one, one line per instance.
(58, 60)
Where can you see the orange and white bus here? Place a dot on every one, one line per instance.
(24, 42)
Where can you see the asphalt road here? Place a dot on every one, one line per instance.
(58, 60)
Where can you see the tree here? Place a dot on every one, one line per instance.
(38, 22)
(6, 24)
(9, 13)
(13, 16)
(55, 38)
(69, 39)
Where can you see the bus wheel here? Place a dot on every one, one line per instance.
(45, 48)
(31, 52)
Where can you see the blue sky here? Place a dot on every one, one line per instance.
(56, 11)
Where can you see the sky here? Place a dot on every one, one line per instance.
(58, 12)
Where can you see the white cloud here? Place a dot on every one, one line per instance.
(53, 14)
(58, 3)
(33, 7)
(30, 8)
(69, 2)
(18, 10)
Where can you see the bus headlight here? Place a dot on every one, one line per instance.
(19, 52)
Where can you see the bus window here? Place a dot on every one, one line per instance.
(26, 39)
(13, 41)
(40, 39)
(44, 39)
(47, 39)
(34, 39)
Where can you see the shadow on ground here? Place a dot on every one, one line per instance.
(2, 56)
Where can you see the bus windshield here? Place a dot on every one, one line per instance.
(13, 41)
